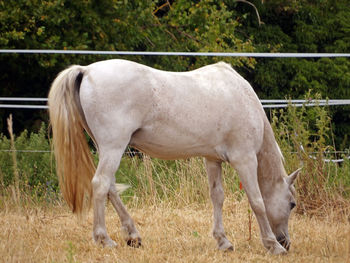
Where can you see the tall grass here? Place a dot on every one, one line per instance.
(306, 139)
(304, 135)
(177, 183)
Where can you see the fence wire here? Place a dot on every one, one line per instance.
(266, 103)
(140, 154)
(151, 53)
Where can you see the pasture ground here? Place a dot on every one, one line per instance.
(170, 234)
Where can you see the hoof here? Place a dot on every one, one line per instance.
(105, 241)
(226, 246)
(278, 250)
(228, 249)
(134, 242)
(110, 243)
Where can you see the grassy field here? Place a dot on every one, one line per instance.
(170, 234)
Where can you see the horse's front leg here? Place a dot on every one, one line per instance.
(132, 235)
(217, 198)
(246, 167)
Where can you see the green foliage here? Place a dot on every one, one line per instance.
(202, 27)
(303, 130)
(70, 252)
(304, 26)
(36, 169)
(306, 139)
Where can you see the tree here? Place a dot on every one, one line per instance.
(303, 26)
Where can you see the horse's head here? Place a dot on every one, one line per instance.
(279, 204)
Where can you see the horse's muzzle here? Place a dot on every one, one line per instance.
(284, 241)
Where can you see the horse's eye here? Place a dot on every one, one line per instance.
(292, 205)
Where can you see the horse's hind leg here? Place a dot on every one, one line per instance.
(132, 235)
(101, 183)
(217, 198)
(246, 166)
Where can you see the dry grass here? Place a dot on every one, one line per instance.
(170, 234)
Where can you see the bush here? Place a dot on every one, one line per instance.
(31, 160)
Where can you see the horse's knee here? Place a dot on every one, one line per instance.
(100, 187)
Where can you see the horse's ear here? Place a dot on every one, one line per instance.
(291, 178)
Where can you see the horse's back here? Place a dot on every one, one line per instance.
(174, 114)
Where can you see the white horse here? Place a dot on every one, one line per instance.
(211, 112)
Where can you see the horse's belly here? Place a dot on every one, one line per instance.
(168, 147)
(164, 153)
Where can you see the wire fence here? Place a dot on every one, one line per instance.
(265, 103)
(140, 154)
(152, 53)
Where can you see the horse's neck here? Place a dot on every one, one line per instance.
(270, 166)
